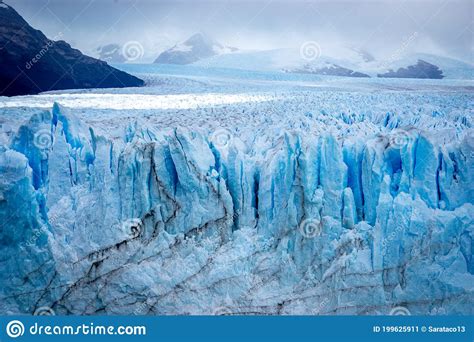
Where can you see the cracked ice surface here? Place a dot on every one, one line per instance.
(285, 201)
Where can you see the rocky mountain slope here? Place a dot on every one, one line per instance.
(421, 69)
(30, 63)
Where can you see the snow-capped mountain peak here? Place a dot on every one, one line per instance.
(198, 46)
(200, 39)
(111, 53)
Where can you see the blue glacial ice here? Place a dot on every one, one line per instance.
(320, 202)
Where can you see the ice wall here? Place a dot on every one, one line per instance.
(177, 222)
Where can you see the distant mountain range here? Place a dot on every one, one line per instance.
(422, 65)
(355, 63)
(421, 69)
(30, 63)
(196, 48)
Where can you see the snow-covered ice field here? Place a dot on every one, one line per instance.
(217, 191)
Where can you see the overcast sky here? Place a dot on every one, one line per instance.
(381, 27)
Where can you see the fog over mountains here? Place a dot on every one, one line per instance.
(385, 28)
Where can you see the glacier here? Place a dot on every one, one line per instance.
(280, 197)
